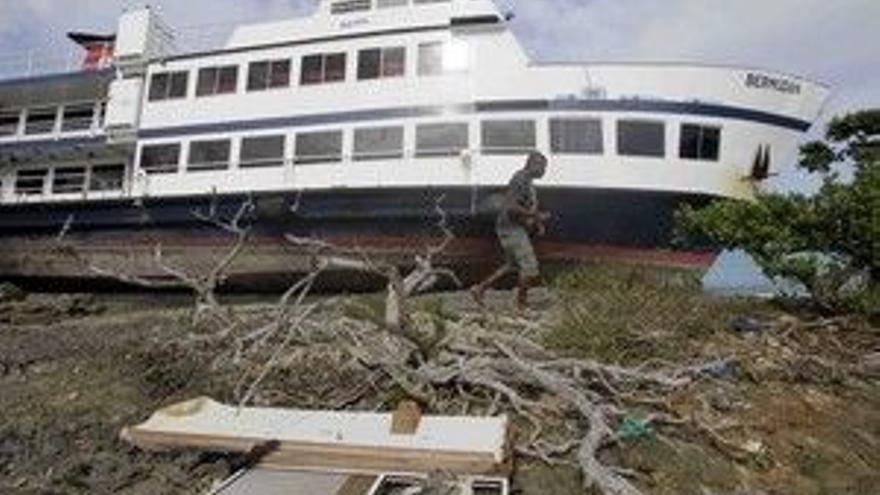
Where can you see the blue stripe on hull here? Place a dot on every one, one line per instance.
(485, 107)
(646, 106)
(637, 219)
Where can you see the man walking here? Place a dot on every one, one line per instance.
(518, 219)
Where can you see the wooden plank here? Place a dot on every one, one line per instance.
(406, 418)
(329, 439)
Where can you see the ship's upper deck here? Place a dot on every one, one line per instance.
(334, 17)
(360, 93)
(328, 18)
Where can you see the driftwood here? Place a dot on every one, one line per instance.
(574, 406)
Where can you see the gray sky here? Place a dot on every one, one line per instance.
(837, 41)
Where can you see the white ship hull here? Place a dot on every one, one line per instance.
(363, 157)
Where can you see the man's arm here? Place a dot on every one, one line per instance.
(513, 206)
(531, 218)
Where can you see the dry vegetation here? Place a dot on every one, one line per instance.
(621, 373)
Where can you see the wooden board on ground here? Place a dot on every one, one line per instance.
(361, 442)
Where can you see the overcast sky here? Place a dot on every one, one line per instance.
(837, 41)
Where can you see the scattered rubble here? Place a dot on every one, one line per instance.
(799, 409)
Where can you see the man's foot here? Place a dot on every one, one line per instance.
(522, 298)
(478, 295)
(526, 312)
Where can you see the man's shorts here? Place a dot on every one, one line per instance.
(518, 250)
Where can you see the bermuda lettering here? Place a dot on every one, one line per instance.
(761, 81)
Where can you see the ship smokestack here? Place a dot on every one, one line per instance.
(98, 49)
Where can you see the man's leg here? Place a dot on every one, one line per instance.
(524, 283)
(529, 271)
(510, 262)
(479, 291)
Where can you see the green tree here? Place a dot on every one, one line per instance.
(828, 241)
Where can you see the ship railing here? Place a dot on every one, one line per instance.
(172, 41)
(43, 62)
(201, 38)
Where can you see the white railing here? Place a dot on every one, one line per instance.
(68, 57)
(201, 38)
(40, 62)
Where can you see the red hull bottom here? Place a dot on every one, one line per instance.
(270, 263)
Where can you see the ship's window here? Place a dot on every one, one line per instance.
(346, 6)
(40, 120)
(382, 4)
(374, 63)
(431, 59)
(168, 85)
(441, 139)
(318, 147)
(437, 58)
(107, 178)
(262, 151)
(78, 117)
(30, 182)
(699, 142)
(217, 80)
(641, 138)
(369, 63)
(378, 143)
(68, 180)
(160, 158)
(268, 74)
(312, 69)
(576, 136)
(323, 68)
(508, 136)
(208, 155)
(9, 123)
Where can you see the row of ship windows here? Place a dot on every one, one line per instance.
(434, 58)
(70, 180)
(34, 121)
(348, 6)
(567, 136)
(638, 138)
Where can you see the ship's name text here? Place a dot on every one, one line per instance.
(354, 23)
(762, 81)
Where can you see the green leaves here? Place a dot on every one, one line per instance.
(829, 242)
(860, 125)
(817, 157)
